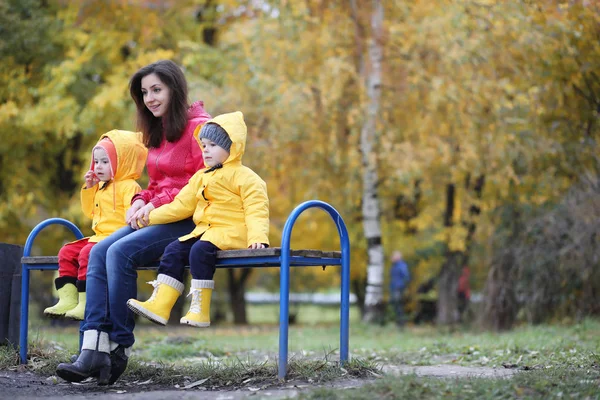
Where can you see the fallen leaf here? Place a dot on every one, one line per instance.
(197, 383)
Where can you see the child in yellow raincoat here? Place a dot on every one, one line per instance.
(118, 159)
(230, 208)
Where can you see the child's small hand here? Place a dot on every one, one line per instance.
(91, 179)
(257, 246)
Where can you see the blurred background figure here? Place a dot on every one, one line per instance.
(399, 278)
(464, 292)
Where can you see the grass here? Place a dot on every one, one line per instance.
(557, 383)
(557, 360)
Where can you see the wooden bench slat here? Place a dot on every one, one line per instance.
(276, 251)
(39, 260)
(226, 254)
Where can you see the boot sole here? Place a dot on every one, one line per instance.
(146, 314)
(103, 377)
(54, 316)
(70, 376)
(194, 323)
(57, 315)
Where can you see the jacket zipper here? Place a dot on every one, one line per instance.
(157, 157)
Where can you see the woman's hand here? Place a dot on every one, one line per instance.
(139, 203)
(142, 217)
(257, 246)
(91, 179)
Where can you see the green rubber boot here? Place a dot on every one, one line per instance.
(78, 312)
(67, 297)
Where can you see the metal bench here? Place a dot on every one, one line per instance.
(282, 257)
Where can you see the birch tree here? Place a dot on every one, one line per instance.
(370, 200)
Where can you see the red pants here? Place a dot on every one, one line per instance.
(73, 259)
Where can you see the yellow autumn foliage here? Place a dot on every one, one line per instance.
(497, 89)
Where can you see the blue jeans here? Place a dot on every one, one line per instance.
(112, 275)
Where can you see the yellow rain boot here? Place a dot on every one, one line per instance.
(199, 314)
(67, 296)
(78, 312)
(158, 307)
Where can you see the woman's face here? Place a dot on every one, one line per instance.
(156, 95)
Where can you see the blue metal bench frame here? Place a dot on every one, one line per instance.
(284, 261)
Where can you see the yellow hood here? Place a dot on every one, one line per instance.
(131, 153)
(107, 204)
(234, 125)
(229, 205)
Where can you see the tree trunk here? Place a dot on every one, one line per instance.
(447, 304)
(359, 286)
(374, 306)
(237, 290)
(447, 285)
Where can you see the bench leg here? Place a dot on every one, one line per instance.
(284, 299)
(24, 314)
(345, 303)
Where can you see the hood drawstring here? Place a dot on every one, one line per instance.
(219, 165)
(106, 144)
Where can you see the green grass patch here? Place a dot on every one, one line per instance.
(228, 373)
(525, 346)
(554, 359)
(235, 373)
(556, 383)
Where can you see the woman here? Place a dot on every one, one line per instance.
(167, 123)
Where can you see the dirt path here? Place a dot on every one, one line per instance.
(26, 385)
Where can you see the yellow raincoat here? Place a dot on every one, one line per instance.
(107, 203)
(229, 205)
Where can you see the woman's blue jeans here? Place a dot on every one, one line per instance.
(112, 275)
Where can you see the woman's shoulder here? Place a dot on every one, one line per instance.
(197, 114)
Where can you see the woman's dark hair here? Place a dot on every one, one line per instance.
(175, 119)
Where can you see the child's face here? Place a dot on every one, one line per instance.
(212, 153)
(102, 165)
(156, 95)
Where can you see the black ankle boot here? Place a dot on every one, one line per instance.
(118, 363)
(94, 360)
